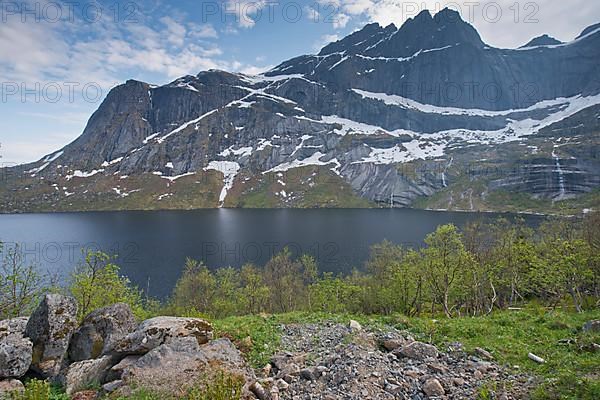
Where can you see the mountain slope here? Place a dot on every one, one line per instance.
(386, 116)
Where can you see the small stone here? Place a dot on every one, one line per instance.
(418, 351)
(477, 374)
(458, 381)
(486, 355)
(432, 387)
(308, 374)
(9, 386)
(393, 344)
(355, 326)
(112, 386)
(282, 385)
(85, 395)
(592, 326)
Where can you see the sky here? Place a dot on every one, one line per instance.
(59, 59)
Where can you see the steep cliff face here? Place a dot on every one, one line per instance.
(387, 115)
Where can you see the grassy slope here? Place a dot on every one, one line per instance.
(572, 371)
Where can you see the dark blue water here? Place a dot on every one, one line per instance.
(152, 246)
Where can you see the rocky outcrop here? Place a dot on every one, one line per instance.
(50, 328)
(110, 350)
(83, 374)
(182, 363)
(162, 330)
(330, 361)
(15, 348)
(100, 331)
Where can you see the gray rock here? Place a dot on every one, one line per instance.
(112, 386)
(355, 326)
(486, 355)
(13, 327)
(433, 388)
(100, 330)
(161, 330)
(15, 349)
(50, 329)
(417, 351)
(175, 366)
(9, 387)
(84, 374)
(592, 326)
(15, 357)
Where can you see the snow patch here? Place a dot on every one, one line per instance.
(229, 169)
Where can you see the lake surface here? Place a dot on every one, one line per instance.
(152, 246)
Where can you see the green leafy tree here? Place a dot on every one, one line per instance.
(446, 262)
(96, 283)
(21, 285)
(195, 290)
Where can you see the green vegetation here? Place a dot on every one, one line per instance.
(36, 389)
(96, 283)
(486, 267)
(501, 286)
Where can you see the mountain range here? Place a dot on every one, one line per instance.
(425, 115)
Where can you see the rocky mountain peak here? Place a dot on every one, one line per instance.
(360, 40)
(427, 32)
(544, 40)
(590, 29)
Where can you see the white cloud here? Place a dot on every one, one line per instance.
(340, 21)
(244, 10)
(324, 41)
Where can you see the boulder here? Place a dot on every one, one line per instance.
(157, 331)
(83, 374)
(176, 366)
(100, 331)
(417, 351)
(116, 372)
(15, 349)
(433, 388)
(13, 327)
(50, 329)
(10, 386)
(15, 357)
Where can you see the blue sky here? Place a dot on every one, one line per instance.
(59, 58)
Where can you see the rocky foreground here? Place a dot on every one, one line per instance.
(113, 354)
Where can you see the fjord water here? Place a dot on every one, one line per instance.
(152, 246)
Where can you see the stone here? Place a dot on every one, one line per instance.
(15, 349)
(417, 351)
(9, 386)
(112, 386)
(393, 344)
(157, 331)
(486, 355)
(433, 388)
(355, 326)
(116, 371)
(50, 328)
(175, 366)
(308, 374)
(592, 326)
(13, 327)
(100, 330)
(83, 374)
(85, 395)
(15, 357)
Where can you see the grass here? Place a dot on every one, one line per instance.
(571, 371)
